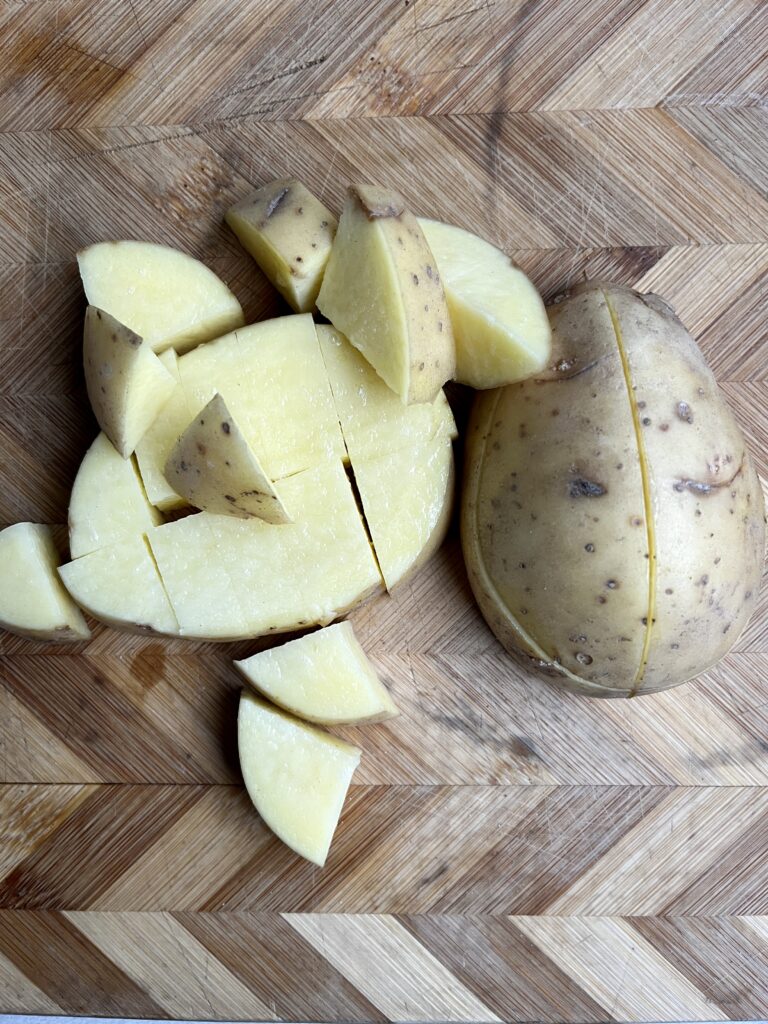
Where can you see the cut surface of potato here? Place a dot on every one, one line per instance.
(127, 384)
(407, 497)
(272, 378)
(215, 469)
(499, 322)
(33, 603)
(157, 443)
(323, 677)
(373, 419)
(296, 775)
(382, 290)
(289, 233)
(166, 297)
(232, 578)
(120, 585)
(108, 502)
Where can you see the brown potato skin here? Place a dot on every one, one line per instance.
(587, 448)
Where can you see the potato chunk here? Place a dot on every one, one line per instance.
(127, 384)
(296, 775)
(289, 233)
(33, 603)
(157, 443)
(216, 470)
(166, 297)
(108, 502)
(499, 322)
(383, 291)
(323, 677)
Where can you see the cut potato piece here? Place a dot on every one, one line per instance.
(33, 603)
(233, 578)
(108, 502)
(297, 776)
(157, 443)
(373, 419)
(213, 467)
(289, 233)
(499, 322)
(273, 380)
(127, 384)
(323, 677)
(382, 289)
(168, 298)
(120, 585)
(407, 498)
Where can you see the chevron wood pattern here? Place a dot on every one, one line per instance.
(508, 852)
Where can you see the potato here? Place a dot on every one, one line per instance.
(296, 775)
(120, 585)
(612, 521)
(232, 578)
(153, 449)
(500, 325)
(407, 497)
(33, 603)
(382, 290)
(166, 297)
(108, 502)
(127, 384)
(323, 677)
(289, 233)
(373, 419)
(215, 469)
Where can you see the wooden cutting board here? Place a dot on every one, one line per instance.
(508, 850)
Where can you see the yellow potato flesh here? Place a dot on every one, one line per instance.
(499, 322)
(157, 443)
(296, 775)
(33, 602)
(108, 503)
(166, 297)
(289, 233)
(323, 677)
(382, 290)
(120, 585)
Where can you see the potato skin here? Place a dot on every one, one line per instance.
(610, 539)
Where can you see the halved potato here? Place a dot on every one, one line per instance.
(323, 677)
(33, 603)
(216, 470)
(289, 233)
(127, 384)
(232, 578)
(373, 419)
(297, 776)
(157, 443)
(166, 297)
(108, 502)
(499, 322)
(407, 497)
(383, 291)
(120, 585)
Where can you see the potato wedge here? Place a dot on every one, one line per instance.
(153, 449)
(33, 602)
(374, 421)
(120, 585)
(500, 325)
(166, 297)
(214, 468)
(296, 775)
(289, 233)
(323, 677)
(126, 382)
(108, 503)
(382, 290)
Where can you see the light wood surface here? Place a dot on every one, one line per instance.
(507, 851)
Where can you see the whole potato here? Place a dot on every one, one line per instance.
(612, 522)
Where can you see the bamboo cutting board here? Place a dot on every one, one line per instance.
(508, 851)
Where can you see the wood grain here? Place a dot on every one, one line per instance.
(507, 851)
